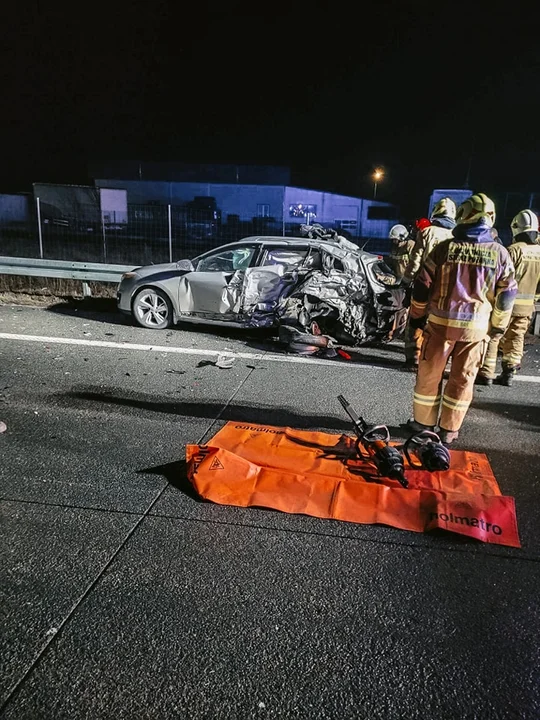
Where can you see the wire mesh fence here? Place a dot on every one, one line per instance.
(146, 234)
(67, 223)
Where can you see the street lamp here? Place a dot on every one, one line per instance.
(378, 175)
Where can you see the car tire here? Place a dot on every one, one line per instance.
(152, 309)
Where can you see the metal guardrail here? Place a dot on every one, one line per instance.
(98, 272)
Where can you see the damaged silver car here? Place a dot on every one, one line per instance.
(319, 284)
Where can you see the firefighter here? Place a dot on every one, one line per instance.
(465, 292)
(402, 244)
(442, 222)
(525, 254)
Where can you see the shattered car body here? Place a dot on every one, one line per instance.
(354, 298)
(320, 284)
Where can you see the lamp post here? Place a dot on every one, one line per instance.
(377, 176)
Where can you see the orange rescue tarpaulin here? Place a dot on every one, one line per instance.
(312, 473)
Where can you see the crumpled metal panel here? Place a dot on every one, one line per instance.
(209, 294)
(343, 304)
(231, 296)
(185, 296)
(264, 288)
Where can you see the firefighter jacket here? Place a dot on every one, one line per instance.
(525, 255)
(426, 240)
(400, 254)
(467, 285)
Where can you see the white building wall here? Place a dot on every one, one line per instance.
(246, 201)
(332, 210)
(375, 228)
(341, 211)
(241, 200)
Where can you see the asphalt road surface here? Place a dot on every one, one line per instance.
(125, 596)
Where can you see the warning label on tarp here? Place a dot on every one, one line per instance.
(316, 473)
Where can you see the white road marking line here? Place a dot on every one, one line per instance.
(183, 351)
(200, 351)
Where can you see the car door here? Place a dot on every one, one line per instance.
(213, 290)
(275, 275)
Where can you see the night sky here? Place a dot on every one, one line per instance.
(412, 87)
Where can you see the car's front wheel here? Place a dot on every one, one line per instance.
(152, 309)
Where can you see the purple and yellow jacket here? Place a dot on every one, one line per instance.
(466, 285)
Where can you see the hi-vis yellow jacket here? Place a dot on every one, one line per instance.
(467, 285)
(526, 259)
(426, 241)
(400, 255)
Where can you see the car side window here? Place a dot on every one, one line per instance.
(288, 259)
(226, 260)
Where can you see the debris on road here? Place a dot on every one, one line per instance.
(303, 343)
(176, 372)
(225, 361)
(3, 427)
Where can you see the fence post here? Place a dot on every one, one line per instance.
(170, 232)
(40, 235)
(104, 238)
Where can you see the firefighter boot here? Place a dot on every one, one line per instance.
(417, 427)
(506, 377)
(483, 380)
(448, 436)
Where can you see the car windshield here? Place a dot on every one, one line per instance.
(226, 260)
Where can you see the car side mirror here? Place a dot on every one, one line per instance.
(185, 266)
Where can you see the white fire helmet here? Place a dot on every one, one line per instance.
(525, 221)
(476, 208)
(398, 232)
(446, 207)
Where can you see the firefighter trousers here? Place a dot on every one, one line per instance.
(428, 394)
(413, 343)
(511, 345)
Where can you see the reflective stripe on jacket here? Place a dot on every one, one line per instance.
(467, 284)
(526, 259)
